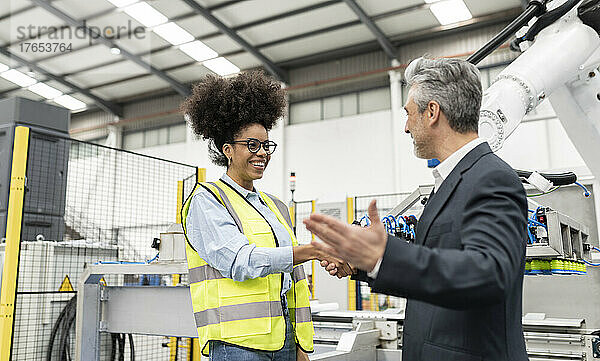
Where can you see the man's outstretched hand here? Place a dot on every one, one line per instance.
(361, 247)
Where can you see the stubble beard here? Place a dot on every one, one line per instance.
(422, 147)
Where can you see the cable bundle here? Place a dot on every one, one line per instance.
(61, 336)
(403, 227)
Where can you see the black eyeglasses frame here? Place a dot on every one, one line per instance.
(268, 145)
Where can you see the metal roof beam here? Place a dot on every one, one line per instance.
(286, 14)
(268, 64)
(203, 37)
(402, 39)
(264, 45)
(17, 12)
(267, 44)
(105, 105)
(399, 40)
(385, 43)
(107, 12)
(179, 87)
(211, 35)
(485, 20)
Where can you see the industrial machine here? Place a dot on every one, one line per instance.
(561, 54)
(41, 220)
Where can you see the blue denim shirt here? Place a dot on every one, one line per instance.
(213, 233)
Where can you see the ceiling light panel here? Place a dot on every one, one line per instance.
(145, 14)
(18, 78)
(3, 67)
(198, 51)
(221, 66)
(173, 33)
(450, 11)
(69, 102)
(45, 91)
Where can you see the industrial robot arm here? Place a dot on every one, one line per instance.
(562, 65)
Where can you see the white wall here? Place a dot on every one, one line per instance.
(343, 157)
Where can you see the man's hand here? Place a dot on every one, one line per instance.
(338, 268)
(361, 247)
(301, 355)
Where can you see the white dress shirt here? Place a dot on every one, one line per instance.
(440, 173)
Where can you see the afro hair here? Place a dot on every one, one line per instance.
(219, 108)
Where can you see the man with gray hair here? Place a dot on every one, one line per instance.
(463, 275)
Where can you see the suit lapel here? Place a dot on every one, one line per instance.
(435, 205)
(439, 199)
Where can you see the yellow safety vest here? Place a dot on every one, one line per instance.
(249, 313)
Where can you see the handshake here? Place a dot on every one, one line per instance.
(345, 248)
(337, 267)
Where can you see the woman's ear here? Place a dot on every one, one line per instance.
(228, 151)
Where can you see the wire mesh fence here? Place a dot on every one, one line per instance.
(303, 210)
(385, 203)
(86, 203)
(189, 183)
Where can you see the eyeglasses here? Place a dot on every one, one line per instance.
(254, 144)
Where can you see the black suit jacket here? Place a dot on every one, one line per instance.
(463, 276)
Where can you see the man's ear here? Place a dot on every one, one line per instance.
(433, 112)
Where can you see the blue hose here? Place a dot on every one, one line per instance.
(586, 192)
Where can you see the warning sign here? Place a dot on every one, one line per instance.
(66, 285)
(102, 282)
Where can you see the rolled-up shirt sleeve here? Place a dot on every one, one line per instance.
(214, 235)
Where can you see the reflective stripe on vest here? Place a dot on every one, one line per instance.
(282, 209)
(229, 207)
(203, 273)
(244, 311)
(298, 274)
(303, 314)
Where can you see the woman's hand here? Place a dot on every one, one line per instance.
(301, 355)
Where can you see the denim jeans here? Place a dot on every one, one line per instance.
(220, 351)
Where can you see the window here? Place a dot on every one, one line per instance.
(153, 137)
(349, 104)
(133, 140)
(305, 112)
(84, 150)
(332, 107)
(177, 133)
(340, 106)
(374, 100)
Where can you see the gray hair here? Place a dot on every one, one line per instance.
(453, 83)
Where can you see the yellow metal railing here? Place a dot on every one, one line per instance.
(351, 283)
(195, 352)
(312, 262)
(13, 240)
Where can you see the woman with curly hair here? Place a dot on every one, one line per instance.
(249, 292)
